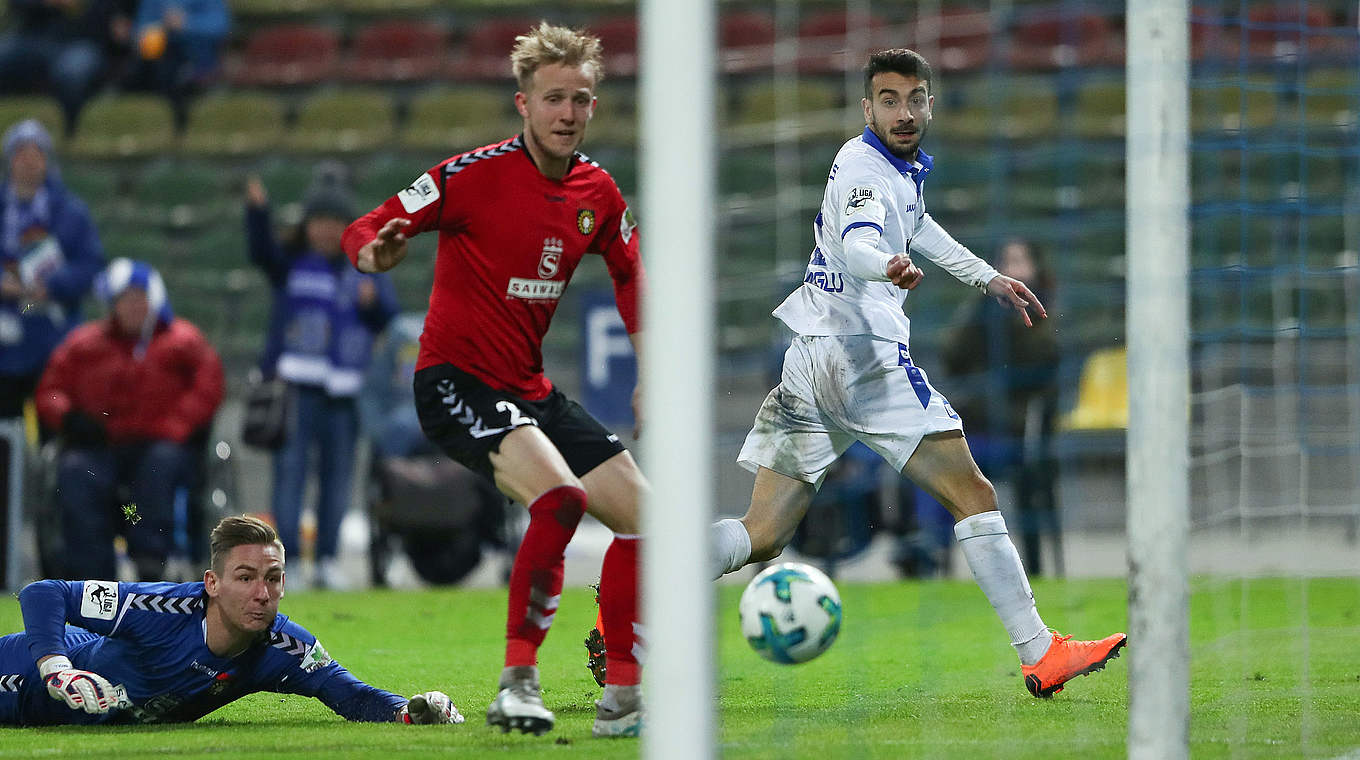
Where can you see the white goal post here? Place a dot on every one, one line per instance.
(678, 50)
(1157, 334)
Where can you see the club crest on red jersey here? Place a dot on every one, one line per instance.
(585, 221)
(551, 258)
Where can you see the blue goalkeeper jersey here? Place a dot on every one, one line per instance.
(151, 638)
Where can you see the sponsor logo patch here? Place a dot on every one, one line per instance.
(521, 287)
(585, 221)
(419, 194)
(99, 599)
(858, 197)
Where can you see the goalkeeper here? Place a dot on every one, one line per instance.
(174, 652)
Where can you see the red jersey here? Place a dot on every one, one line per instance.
(509, 240)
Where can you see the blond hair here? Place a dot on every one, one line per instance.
(546, 44)
(239, 530)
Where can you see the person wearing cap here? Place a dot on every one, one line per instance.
(126, 393)
(49, 255)
(326, 316)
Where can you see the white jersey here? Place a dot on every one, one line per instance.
(870, 187)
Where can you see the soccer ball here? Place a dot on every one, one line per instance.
(790, 613)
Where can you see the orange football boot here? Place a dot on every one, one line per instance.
(1066, 659)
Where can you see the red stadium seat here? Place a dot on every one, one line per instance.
(825, 41)
(965, 38)
(486, 54)
(746, 41)
(396, 51)
(1064, 41)
(1270, 32)
(619, 35)
(1287, 29)
(285, 55)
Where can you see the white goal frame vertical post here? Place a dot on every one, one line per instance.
(678, 50)
(1157, 334)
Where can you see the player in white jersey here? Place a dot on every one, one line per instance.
(848, 374)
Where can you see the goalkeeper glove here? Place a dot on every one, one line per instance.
(430, 707)
(81, 689)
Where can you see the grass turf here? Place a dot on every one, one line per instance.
(920, 670)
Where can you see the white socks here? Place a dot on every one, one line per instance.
(996, 568)
(729, 547)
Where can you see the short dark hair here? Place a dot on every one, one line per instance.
(239, 530)
(908, 63)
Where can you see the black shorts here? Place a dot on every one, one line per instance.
(467, 419)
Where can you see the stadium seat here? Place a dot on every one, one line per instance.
(746, 41)
(124, 126)
(814, 111)
(285, 179)
(486, 54)
(1052, 40)
(287, 54)
(451, 120)
(827, 45)
(178, 194)
(615, 121)
(1099, 110)
(46, 110)
(748, 171)
(1233, 106)
(388, 6)
(248, 9)
(1015, 108)
(1331, 98)
(963, 38)
(1289, 28)
(396, 51)
(619, 35)
(343, 121)
(1102, 393)
(234, 123)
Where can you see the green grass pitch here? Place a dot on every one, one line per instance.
(921, 670)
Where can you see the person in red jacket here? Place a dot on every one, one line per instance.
(514, 220)
(126, 393)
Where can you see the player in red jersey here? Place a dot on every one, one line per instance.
(514, 220)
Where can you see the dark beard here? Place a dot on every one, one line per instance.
(885, 137)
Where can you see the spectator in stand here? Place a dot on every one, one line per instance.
(1009, 377)
(127, 393)
(179, 48)
(49, 255)
(65, 46)
(326, 317)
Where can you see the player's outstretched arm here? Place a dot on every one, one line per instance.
(386, 249)
(1013, 293)
(431, 707)
(80, 689)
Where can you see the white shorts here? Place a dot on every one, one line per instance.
(839, 389)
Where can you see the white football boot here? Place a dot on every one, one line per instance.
(624, 717)
(518, 706)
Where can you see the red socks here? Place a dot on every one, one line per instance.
(536, 578)
(619, 608)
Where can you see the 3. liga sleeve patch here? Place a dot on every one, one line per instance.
(859, 198)
(99, 600)
(419, 194)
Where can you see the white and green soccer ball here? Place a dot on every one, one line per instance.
(790, 613)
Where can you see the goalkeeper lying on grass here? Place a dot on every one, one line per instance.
(174, 652)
